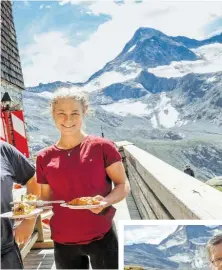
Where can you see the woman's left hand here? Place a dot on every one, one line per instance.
(99, 208)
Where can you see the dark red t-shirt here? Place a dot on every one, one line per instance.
(81, 174)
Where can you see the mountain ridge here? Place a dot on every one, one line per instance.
(154, 112)
(188, 250)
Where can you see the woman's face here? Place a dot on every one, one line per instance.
(68, 116)
(216, 257)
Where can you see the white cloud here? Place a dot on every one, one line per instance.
(44, 6)
(216, 32)
(50, 58)
(173, 18)
(26, 3)
(152, 234)
(74, 2)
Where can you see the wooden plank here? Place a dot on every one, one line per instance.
(47, 234)
(145, 210)
(45, 266)
(139, 198)
(31, 265)
(37, 256)
(134, 212)
(43, 245)
(25, 250)
(155, 204)
(183, 196)
(39, 259)
(140, 206)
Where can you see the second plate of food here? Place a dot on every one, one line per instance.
(11, 215)
(84, 203)
(88, 206)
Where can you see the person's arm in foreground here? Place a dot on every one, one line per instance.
(24, 174)
(25, 229)
(43, 191)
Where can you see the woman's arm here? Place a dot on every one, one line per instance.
(116, 173)
(25, 229)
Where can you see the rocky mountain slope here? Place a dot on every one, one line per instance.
(177, 118)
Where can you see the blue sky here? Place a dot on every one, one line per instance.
(69, 40)
(36, 17)
(152, 234)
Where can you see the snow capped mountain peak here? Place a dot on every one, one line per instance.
(157, 89)
(189, 233)
(193, 43)
(142, 34)
(210, 60)
(185, 247)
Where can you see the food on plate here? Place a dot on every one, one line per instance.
(17, 186)
(22, 209)
(29, 197)
(84, 201)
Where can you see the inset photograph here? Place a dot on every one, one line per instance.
(172, 247)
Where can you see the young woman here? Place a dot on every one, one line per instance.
(81, 165)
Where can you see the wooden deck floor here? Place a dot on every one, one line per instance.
(40, 259)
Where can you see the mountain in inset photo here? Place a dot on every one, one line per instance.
(185, 248)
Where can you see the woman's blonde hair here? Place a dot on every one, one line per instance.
(74, 93)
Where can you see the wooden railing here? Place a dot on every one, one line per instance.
(164, 192)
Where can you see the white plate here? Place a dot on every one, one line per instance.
(15, 202)
(91, 206)
(46, 207)
(10, 214)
